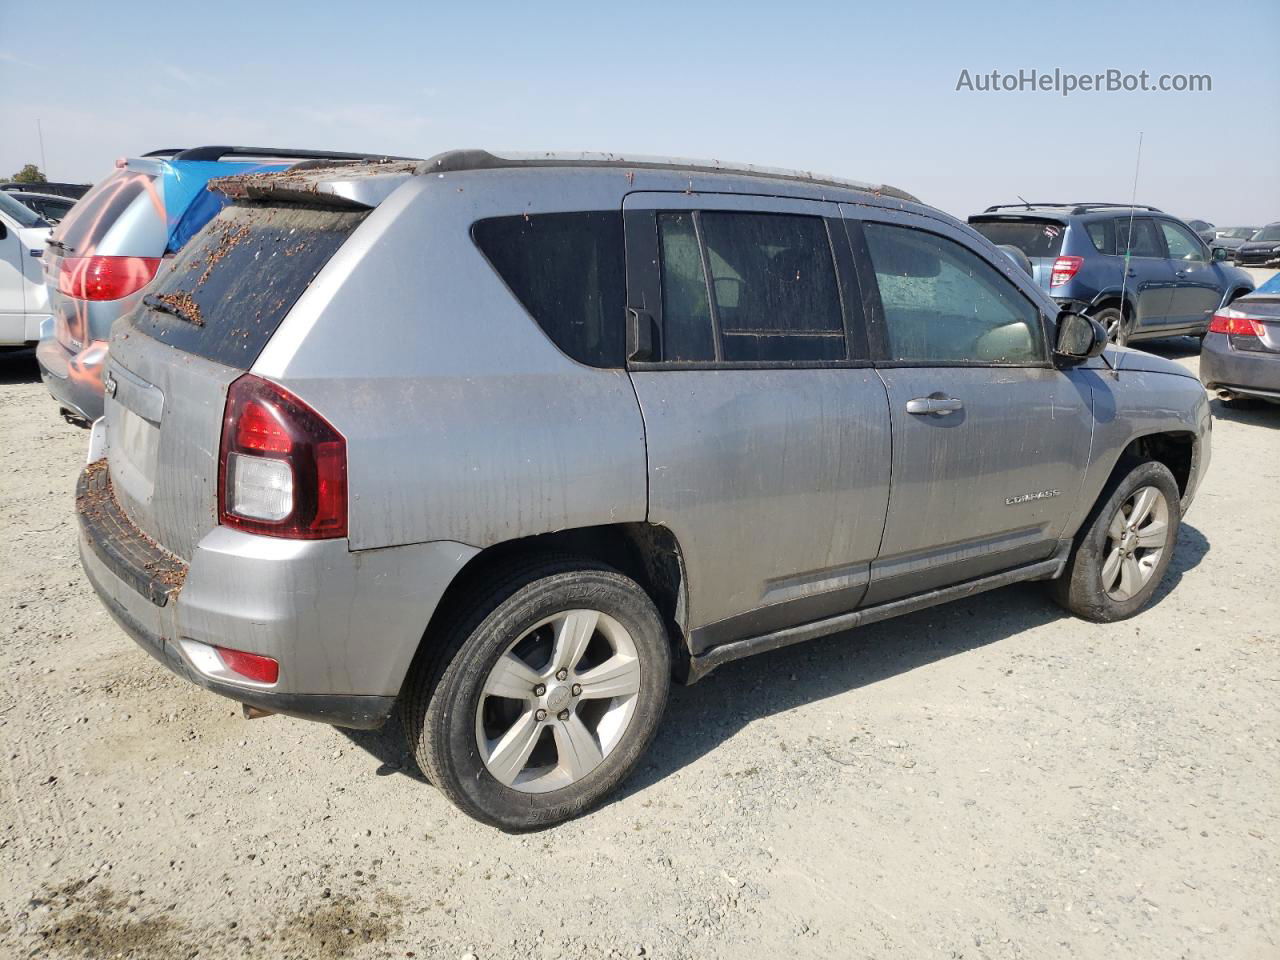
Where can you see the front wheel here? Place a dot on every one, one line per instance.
(550, 688)
(1125, 547)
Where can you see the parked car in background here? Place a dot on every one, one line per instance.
(72, 191)
(104, 254)
(1203, 228)
(1165, 282)
(1260, 250)
(51, 207)
(496, 441)
(24, 301)
(1230, 238)
(1241, 354)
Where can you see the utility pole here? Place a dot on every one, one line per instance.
(40, 134)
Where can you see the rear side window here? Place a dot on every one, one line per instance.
(99, 209)
(1035, 238)
(231, 286)
(569, 272)
(945, 304)
(749, 288)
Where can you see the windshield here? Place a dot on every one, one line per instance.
(1035, 238)
(25, 216)
(1239, 233)
(1270, 232)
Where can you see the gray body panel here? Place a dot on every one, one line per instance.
(795, 493)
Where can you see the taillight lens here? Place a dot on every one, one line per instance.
(251, 666)
(1064, 268)
(1234, 321)
(105, 278)
(282, 468)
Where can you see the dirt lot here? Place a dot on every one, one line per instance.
(986, 780)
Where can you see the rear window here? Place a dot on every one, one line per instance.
(91, 218)
(1035, 238)
(231, 286)
(568, 271)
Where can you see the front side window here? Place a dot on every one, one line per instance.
(567, 270)
(1145, 240)
(945, 304)
(749, 288)
(1182, 244)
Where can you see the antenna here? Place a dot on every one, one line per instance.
(1024, 200)
(1128, 240)
(44, 167)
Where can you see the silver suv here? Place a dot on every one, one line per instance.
(505, 442)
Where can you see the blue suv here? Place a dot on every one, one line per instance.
(1142, 273)
(105, 252)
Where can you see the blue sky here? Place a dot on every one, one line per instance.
(866, 92)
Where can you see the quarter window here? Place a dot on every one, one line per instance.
(568, 271)
(1102, 234)
(944, 304)
(749, 287)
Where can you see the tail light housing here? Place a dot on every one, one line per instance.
(282, 468)
(1235, 322)
(1064, 268)
(105, 278)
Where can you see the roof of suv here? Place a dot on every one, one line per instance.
(335, 179)
(1066, 209)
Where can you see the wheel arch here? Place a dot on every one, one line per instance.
(1176, 449)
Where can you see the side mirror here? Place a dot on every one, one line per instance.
(4, 231)
(1079, 338)
(1219, 253)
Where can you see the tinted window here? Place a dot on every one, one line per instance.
(231, 286)
(1182, 244)
(686, 310)
(773, 284)
(944, 303)
(1035, 238)
(1102, 234)
(20, 212)
(101, 207)
(1146, 238)
(567, 269)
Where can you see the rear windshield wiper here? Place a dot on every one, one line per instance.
(179, 305)
(60, 245)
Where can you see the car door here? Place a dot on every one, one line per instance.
(12, 283)
(1195, 281)
(990, 441)
(1148, 273)
(767, 428)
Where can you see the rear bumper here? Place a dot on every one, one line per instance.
(73, 380)
(1239, 371)
(343, 626)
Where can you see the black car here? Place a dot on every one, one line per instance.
(1203, 228)
(1260, 250)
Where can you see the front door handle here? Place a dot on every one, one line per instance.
(932, 406)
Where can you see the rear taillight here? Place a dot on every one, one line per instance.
(1064, 268)
(282, 468)
(1227, 320)
(251, 666)
(105, 278)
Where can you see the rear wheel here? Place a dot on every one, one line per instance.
(1115, 323)
(550, 688)
(1125, 548)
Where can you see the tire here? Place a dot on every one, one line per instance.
(1116, 324)
(571, 748)
(1081, 588)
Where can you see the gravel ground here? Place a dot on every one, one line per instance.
(990, 779)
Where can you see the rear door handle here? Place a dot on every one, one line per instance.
(932, 406)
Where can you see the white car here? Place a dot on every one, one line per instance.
(24, 301)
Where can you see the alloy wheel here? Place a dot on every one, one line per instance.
(1137, 537)
(558, 701)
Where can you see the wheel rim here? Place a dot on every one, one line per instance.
(558, 701)
(1113, 321)
(1137, 538)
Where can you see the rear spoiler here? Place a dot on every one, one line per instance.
(352, 185)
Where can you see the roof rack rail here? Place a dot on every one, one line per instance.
(218, 153)
(1076, 207)
(457, 160)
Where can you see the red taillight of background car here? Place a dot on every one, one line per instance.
(251, 666)
(105, 278)
(1064, 268)
(1227, 320)
(282, 468)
